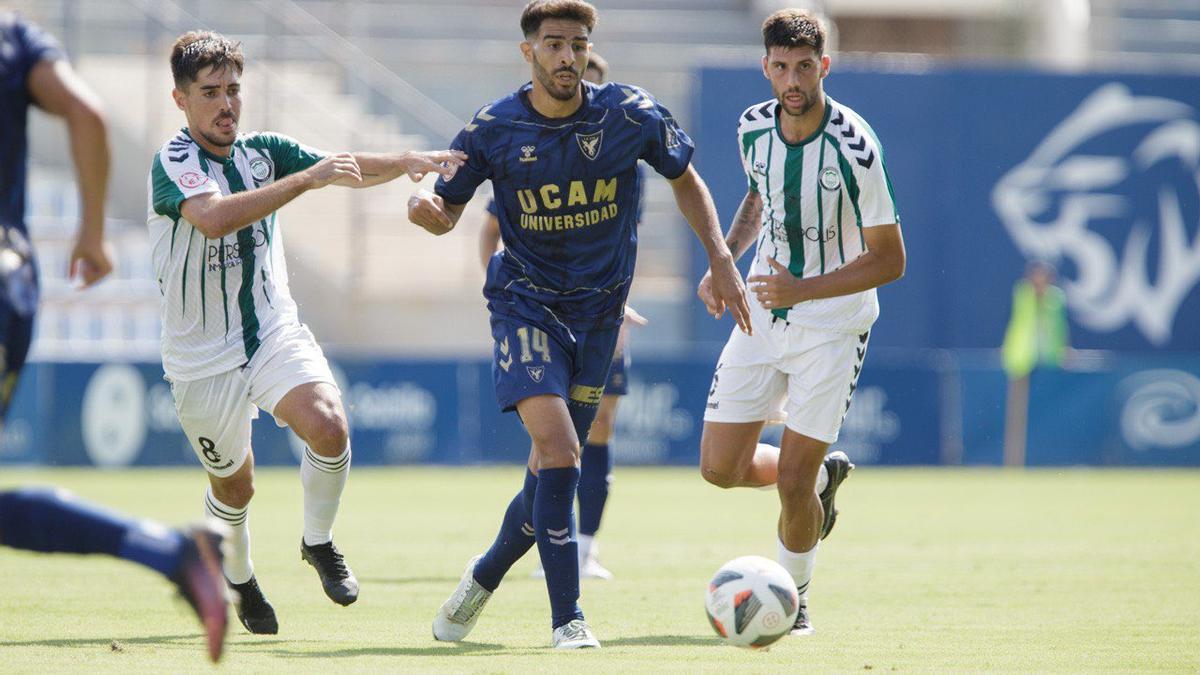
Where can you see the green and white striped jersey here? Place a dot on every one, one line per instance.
(220, 297)
(817, 195)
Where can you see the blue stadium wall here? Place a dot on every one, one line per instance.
(1098, 173)
(922, 408)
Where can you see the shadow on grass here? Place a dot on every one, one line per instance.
(662, 641)
(403, 581)
(456, 649)
(106, 642)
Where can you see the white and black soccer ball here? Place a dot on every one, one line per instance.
(752, 602)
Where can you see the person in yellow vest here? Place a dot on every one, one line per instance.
(1037, 337)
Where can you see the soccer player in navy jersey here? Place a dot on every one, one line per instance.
(596, 462)
(562, 156)
(34, 70)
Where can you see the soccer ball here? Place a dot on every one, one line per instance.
(752, 602)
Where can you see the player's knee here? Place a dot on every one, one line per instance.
(719, 474)
(330, 435)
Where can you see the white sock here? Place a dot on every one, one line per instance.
(586, 542)
(822, 478)
(237, 566)
(323, 479)
(800, 566)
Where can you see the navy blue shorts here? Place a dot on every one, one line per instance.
(533, 358)
(617, 383)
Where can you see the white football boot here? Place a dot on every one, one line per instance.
(576, 634)
(457, 616)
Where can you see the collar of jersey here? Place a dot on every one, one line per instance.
(208, 155)
(816, 132)
(523, 97)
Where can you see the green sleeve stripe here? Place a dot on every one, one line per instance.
(165, 194)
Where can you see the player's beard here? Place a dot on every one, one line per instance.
(809, 100)
(552, 86)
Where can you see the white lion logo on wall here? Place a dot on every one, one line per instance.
(1113, 195)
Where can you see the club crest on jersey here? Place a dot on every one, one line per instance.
(760, 168)
(536, 373)
(527, 153)
(260, 168)
(830, 180)
(590, 143)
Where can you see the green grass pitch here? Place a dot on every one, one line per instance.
(937, 570)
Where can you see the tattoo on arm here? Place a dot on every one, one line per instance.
(746, 225)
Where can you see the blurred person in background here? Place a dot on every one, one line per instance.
(35, 71)
(596, 463)
(1037, 337)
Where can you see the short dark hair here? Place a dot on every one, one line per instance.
(198, 49)
(597, 63)
(794, 28)
(538, 11)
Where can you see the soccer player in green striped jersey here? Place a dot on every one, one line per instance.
(819, 206)
(232, 342)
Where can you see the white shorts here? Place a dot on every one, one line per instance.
(787, 373)
(216, 411)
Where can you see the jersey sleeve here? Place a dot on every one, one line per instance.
(33, 46)
(287, 154)
(665, 146)
(876, 199)
(175, 178)
(472, 142)
(745, 152)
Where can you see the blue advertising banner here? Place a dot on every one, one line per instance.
(929, 408)
(1098, 174)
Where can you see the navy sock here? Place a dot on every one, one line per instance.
(53, 521)
(594, 474)
(514, 539)
(554, 525)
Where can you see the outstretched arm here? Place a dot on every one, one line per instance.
(379, 167)
(216, 215)
(696, 205)
(883, 263)
(58, 90)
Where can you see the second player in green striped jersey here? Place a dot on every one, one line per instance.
(231, 340)
(219, 295)
(819, 206)
(817, 195)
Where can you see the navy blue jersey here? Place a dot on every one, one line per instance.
(491, 205)
(22, 46)
(567, 193)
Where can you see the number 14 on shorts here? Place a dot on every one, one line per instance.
(530, 341)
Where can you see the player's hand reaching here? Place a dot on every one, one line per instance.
(334, 168)
(721, 289)
(775, 291)
(442, 162)
(428, 210)
(91, 260)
